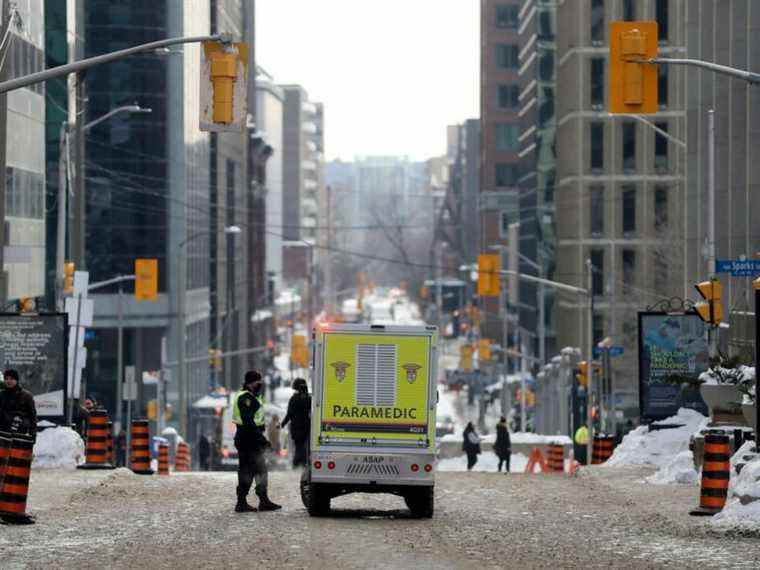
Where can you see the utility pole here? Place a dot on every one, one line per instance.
(590, 353)
(80, 202)
(60, 250)
(712, 330)
(6, 15)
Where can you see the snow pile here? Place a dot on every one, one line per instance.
(486, 462)
(712, 376)
(658, 447)
(678, 471)
(516, 438)
(58, 448)
(743, 506)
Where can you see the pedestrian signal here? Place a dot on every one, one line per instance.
(484, 349)
(489, 267)
(581, 373)
(711, 309)
(633, 84)
(68, 277)
(146, 279)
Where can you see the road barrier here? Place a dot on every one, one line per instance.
(182, 457)
(604, 445)
(556, 458)
(536, 458)
(139, 453)
(15, 479)
(163, 459)
(716, 474)
(96, 450)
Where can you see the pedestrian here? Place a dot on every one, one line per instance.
(581, 443)
(273, 434)
(299, 417)
(471, 445)
(204, 452)
(18, 414)
(503, 445)
(251, 445)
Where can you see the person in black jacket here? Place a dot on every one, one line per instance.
(251, 444)
(503, 445)
(299, 417)
(18, 413)
(471, 445)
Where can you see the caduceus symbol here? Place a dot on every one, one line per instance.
(340, 370)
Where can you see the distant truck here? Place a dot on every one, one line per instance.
(373, 415)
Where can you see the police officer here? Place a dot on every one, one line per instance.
(248, 415)
(18, 413)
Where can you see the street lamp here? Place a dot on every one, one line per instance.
(181, 294)
(63, 162)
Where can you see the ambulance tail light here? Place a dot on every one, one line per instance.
(415, 468)
(331, 465)
(428, 468)
(317, 465)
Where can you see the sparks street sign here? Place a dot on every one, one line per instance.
(738, 267)
(614, 351)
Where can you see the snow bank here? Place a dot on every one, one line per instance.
(58, 448)
(525, 438)
(486, 462)
(658, 447)
(679, 471)
(743, 506)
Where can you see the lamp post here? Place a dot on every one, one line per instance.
(181, 294)
(64, 146)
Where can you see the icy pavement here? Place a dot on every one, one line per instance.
(605, 518)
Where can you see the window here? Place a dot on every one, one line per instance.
(661, 15)
(506, 137)
(660, 208)
(506, 56)
(598, 328)
(597, 146)
(629, 268)
(546, 25)
(505, 219)
(662, 85)
(629, 146)
(660, 148)
(597, 82)
(629, 209)
(597, 271)
(506, 174)
(597, 21)
(506, 16)
(629, 10)
(597, 211)
(546, 66)
(509, 96)
(660, 269)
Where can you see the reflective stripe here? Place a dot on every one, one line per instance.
(258, 418)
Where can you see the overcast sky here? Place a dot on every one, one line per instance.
(391, 73)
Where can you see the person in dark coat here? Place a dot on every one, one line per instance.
(471, 445)
(18, 414)
(299, 418)
(204, 452)
(503, 445)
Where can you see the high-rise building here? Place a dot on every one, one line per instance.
(620, 184)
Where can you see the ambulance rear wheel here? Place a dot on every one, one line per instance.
(317, 500)
(421, 502)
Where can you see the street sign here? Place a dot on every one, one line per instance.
(738, 267)
(614, 351)
(130, 391)
(85, 314)
(81, 282)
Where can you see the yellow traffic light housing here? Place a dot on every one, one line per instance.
(146, 279)
(484, 350)
(632, 84)
(489, 278)
(582, 374)
(711, 309)
(223, 86)
(68, 277)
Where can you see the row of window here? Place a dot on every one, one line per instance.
(24, 58)
(628, 209)
(628, 260)
(628, 146)
(597, 83)
(24, 194)
(629, 14)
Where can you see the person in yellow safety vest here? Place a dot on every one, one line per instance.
(581, 441)
(251, 444)
(581, 436)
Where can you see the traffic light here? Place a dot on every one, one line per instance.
(484, 349)
(633, 85)
(223, 86)
(215, 358)
(489, 278)
(146, 279)
(465, 358)
(711, 309)
(581, 373)
(68, 277)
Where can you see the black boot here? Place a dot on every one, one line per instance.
(242, 505)
(265, 504)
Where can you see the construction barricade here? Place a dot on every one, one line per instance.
(182, 457)
(604, 445)
(163, 459)
(716, 474)
(96, 448)
(556, 458)
(536, 458)
(139, 453)
(16, 461)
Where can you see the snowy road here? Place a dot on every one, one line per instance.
(483, 520)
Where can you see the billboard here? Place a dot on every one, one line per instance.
(35, 345)
(671, 347)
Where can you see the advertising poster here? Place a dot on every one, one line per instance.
(672, 350)
(35, 345)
